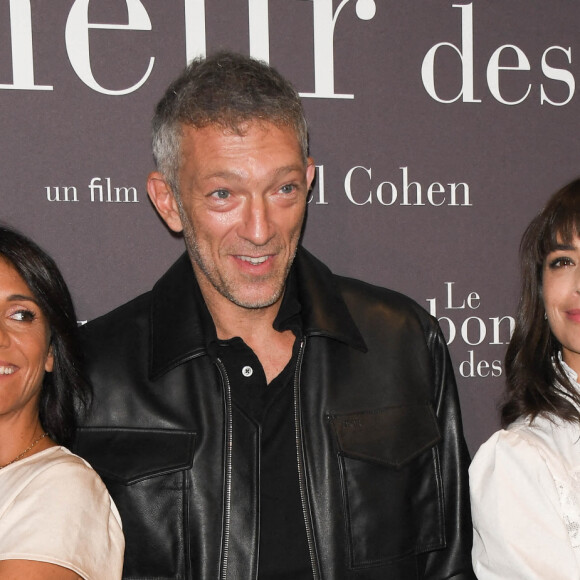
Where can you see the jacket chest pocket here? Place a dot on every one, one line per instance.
(391, 483)
(145, 472)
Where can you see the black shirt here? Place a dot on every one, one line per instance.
(283, 545)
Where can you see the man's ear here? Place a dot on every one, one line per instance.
(310, 172)
(164, 200)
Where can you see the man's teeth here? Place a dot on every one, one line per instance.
(254, 261)
(7, 370)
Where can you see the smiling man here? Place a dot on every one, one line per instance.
(256, 416)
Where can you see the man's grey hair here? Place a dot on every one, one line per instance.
(227, 90)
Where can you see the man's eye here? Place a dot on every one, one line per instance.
(289, 188)
(221, 194)
(23, 315)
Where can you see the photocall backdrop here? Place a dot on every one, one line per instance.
(438, 128)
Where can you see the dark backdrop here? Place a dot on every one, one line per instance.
(439, 130)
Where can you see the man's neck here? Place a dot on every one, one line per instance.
(255, 327)
(232, 320)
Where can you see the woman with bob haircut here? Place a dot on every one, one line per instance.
(57, 521)
(525, 480)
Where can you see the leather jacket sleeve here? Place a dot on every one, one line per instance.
(454, 562)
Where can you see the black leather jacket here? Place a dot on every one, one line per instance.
(381, 456)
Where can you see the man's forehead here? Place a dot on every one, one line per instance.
(262, 140)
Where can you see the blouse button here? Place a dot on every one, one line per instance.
(247, 371)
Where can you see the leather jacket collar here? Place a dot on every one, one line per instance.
(180, 324)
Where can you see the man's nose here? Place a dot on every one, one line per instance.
(256, 225)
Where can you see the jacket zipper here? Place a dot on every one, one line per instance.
(301, 468)
(228, 469)
(300, 460)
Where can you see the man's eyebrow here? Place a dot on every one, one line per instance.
(237, 175)
(288, 169)
(223, 174)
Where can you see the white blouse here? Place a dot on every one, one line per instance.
(525, 501)
(54, 508)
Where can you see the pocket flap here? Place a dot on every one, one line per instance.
(132, 455)
(392, 435)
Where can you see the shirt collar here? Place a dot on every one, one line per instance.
(288, 317)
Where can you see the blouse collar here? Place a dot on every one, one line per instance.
(570, 372)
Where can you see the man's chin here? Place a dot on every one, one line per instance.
(254, 303)
(255, 300)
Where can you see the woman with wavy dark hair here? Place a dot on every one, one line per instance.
(57, 520)
(525, 480)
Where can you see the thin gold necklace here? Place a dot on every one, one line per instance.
(24, 452)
